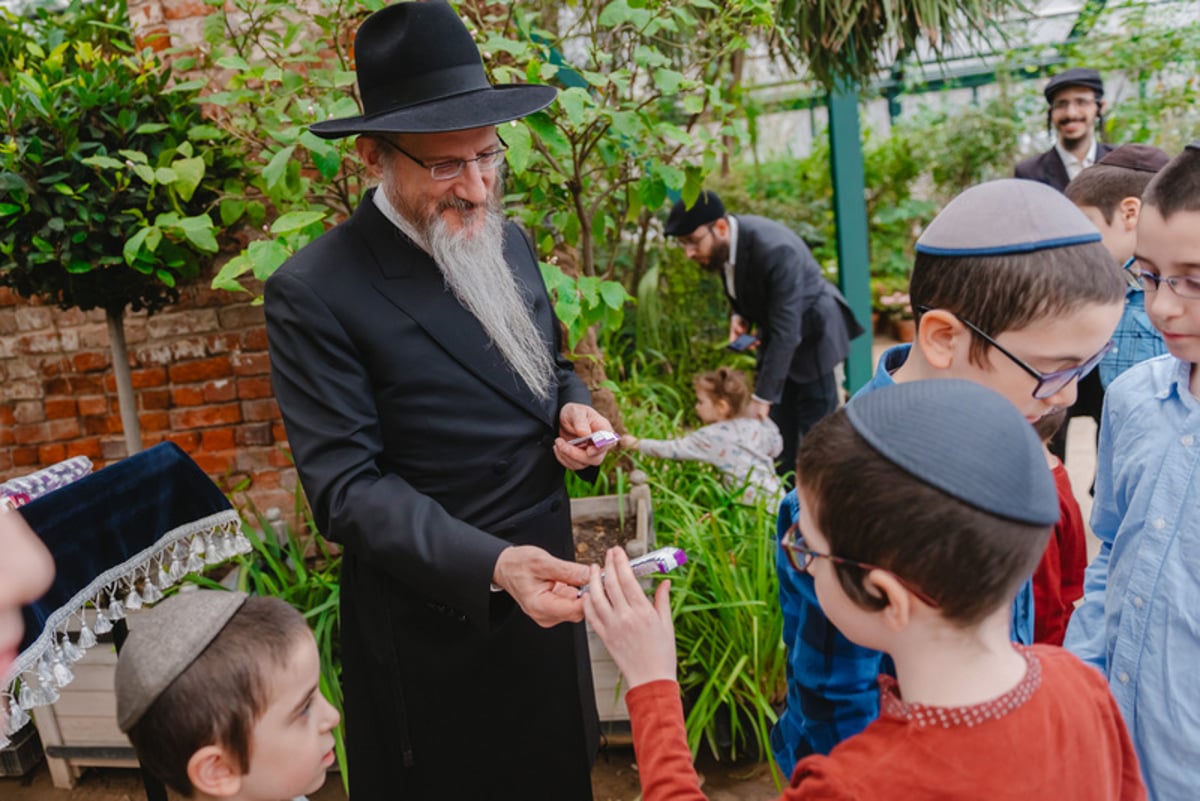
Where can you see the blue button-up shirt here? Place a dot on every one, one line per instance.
(1136, 338)
(833, 687)
(1140, 617)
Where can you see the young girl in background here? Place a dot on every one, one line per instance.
(743, 448)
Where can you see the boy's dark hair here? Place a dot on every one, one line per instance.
(967, 560)
(1011, 291)
(220, 697)
(725, 384)
(1177, 185)
(1104, 186)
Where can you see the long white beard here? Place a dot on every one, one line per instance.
(477, 273)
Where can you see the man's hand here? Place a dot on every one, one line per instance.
(546, 588)
(639, 635)
(577, 420)
(759, 408)
(737, 327)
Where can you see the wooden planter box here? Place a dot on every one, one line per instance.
(636, 506)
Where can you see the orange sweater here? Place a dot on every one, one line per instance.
(1057, 734)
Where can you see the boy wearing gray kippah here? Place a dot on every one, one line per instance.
(924, 566)
(1014, 291)
(219, 692)
(1139, 621)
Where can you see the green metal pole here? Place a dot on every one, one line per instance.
(850, 216)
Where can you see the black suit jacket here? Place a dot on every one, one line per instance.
(1049, 169)
(425, 456)
(803, 321)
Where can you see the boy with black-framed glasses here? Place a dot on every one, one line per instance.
(1014, 291)
(1139, 621)
(924, 567)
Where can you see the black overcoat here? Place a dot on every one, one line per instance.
(1048, 167)
(424, 456)
(802, 319)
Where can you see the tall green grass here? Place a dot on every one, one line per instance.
(728, 626)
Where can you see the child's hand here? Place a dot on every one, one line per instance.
(639, 635)
(629, 442)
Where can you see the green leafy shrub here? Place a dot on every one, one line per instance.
(107, 171)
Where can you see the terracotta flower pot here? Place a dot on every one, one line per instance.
(904, 329)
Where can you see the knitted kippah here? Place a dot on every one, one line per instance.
(963, 439)
(682, 220)
(1143, 158)
(165, 643)
(1006, 216)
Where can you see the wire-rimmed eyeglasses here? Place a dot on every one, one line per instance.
(800, 556)
(1185, 286)
(693, 239)
(449, 170)
(1048, 384)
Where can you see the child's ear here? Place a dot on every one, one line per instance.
(937, 336)
(723, 408)
(898, 611)
(1127, 212)
(213, 772)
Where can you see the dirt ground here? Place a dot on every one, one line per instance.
(614, 778)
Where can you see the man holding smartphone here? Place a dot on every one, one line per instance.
(775, 289)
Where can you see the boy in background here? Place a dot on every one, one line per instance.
(924, 566)
(1139, 621)
(1014, 291)
(219, 692)
(1110, 194)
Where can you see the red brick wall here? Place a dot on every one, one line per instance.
(200, 368)
(200, 372)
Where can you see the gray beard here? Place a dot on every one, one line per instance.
(475, 270)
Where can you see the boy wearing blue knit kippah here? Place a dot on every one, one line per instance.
(1139, 621)
(924, 566)
(1014, 291)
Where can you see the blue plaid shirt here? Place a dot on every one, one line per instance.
(1136, 339)
(833, 683)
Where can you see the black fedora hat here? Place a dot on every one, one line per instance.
(419, 71)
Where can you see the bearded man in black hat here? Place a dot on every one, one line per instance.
(1076, 100)
(415, 358)
(802, 324)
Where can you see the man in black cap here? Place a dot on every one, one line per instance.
(775, 287)
(415, 359)
(1076, 99)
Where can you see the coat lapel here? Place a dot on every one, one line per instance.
(409, 279)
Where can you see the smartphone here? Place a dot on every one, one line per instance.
(744, 342)
(597, 439)
(662, 560)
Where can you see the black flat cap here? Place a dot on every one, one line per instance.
(1076, 76)
(682, 220)
(1143, 158)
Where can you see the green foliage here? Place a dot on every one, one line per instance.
(728, 625)
(847, 43)
(279, 70)
(640, 115)
(583, 302)
(1156, 46)
(107, 176)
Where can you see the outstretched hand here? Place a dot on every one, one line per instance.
(639, 635)
(545, 587)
